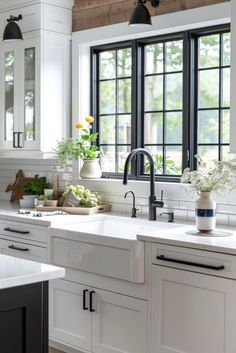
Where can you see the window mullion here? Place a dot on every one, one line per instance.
(186, 99)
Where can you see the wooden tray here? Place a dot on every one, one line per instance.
(76, 210)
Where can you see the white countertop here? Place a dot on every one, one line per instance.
(18, 272)
(182, 236)
(9, 212)
(172, 233)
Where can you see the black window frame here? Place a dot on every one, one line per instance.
(190, 95)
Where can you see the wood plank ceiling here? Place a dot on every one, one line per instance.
(96, 13)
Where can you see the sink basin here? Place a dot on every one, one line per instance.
(105, 244)
(121, 226)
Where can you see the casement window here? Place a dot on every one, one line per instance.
(168, 94)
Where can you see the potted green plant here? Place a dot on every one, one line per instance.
(42, 200)
(83, 148)
(32, 189)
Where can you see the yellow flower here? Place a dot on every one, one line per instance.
(90, 119)
(79, 125)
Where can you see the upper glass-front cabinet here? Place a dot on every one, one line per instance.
(18, 104)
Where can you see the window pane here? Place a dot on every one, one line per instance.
(107, 130)
(225, 126)
(209, 47)
(124, 96)
(174, 91)
(123, 152)
(174, 55)
(153, 128)
(226, 49)
(124, 62)
(154, 58)
(108, 160)
(107, 97)
(30, 94)
(208, 89)
(124, 129)
(226, 156)
(173, 160)
(9, 95)
(157, 154)
(107, 64)
(209, 153)
(226, 87)
(154, 93)
(208, 126)
(173, 128)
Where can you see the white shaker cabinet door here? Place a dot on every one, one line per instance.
(119, 324)
(192, 313)
(69, 324)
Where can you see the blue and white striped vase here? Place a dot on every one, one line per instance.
(205, 212)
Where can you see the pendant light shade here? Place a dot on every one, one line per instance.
(12, 30)
(141, 16)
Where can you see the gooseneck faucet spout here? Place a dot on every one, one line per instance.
(153, 203)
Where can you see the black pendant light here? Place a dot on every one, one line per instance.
(141, 15)
(12, 30)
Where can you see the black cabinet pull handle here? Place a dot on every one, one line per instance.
(91, 309)
(14, 139)
(13, 247)
(85, 291)
(189, 263)
(19, 142)
(7, 229)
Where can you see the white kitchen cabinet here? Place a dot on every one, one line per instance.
(35, 81)
(20, 78)
(119, 323)
(192, 312)
(24, 240)
(98, 321)
(69, 323)
(23, 250)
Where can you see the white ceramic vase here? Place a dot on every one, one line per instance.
(90, 169)
(205, 212)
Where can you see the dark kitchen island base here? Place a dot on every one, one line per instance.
(24, 319)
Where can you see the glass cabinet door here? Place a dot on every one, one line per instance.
(18, 75)
(9, 61)
(29, 94)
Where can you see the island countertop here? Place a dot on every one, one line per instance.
(16, 272)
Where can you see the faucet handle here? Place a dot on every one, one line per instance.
(160, 203)
(162, 194)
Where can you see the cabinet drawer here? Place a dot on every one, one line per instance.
(23, 250)
(126, 263)
(24, 231)
(201, 261)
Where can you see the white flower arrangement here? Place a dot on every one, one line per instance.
(214, 176)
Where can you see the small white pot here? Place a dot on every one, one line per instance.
(205, 212)
(27, 201)
(91, 169)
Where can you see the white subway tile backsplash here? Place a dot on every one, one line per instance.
(191, 216)
(189, 205)
(226, 208)
(222, 218)
(171, 204)
(232, 220)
